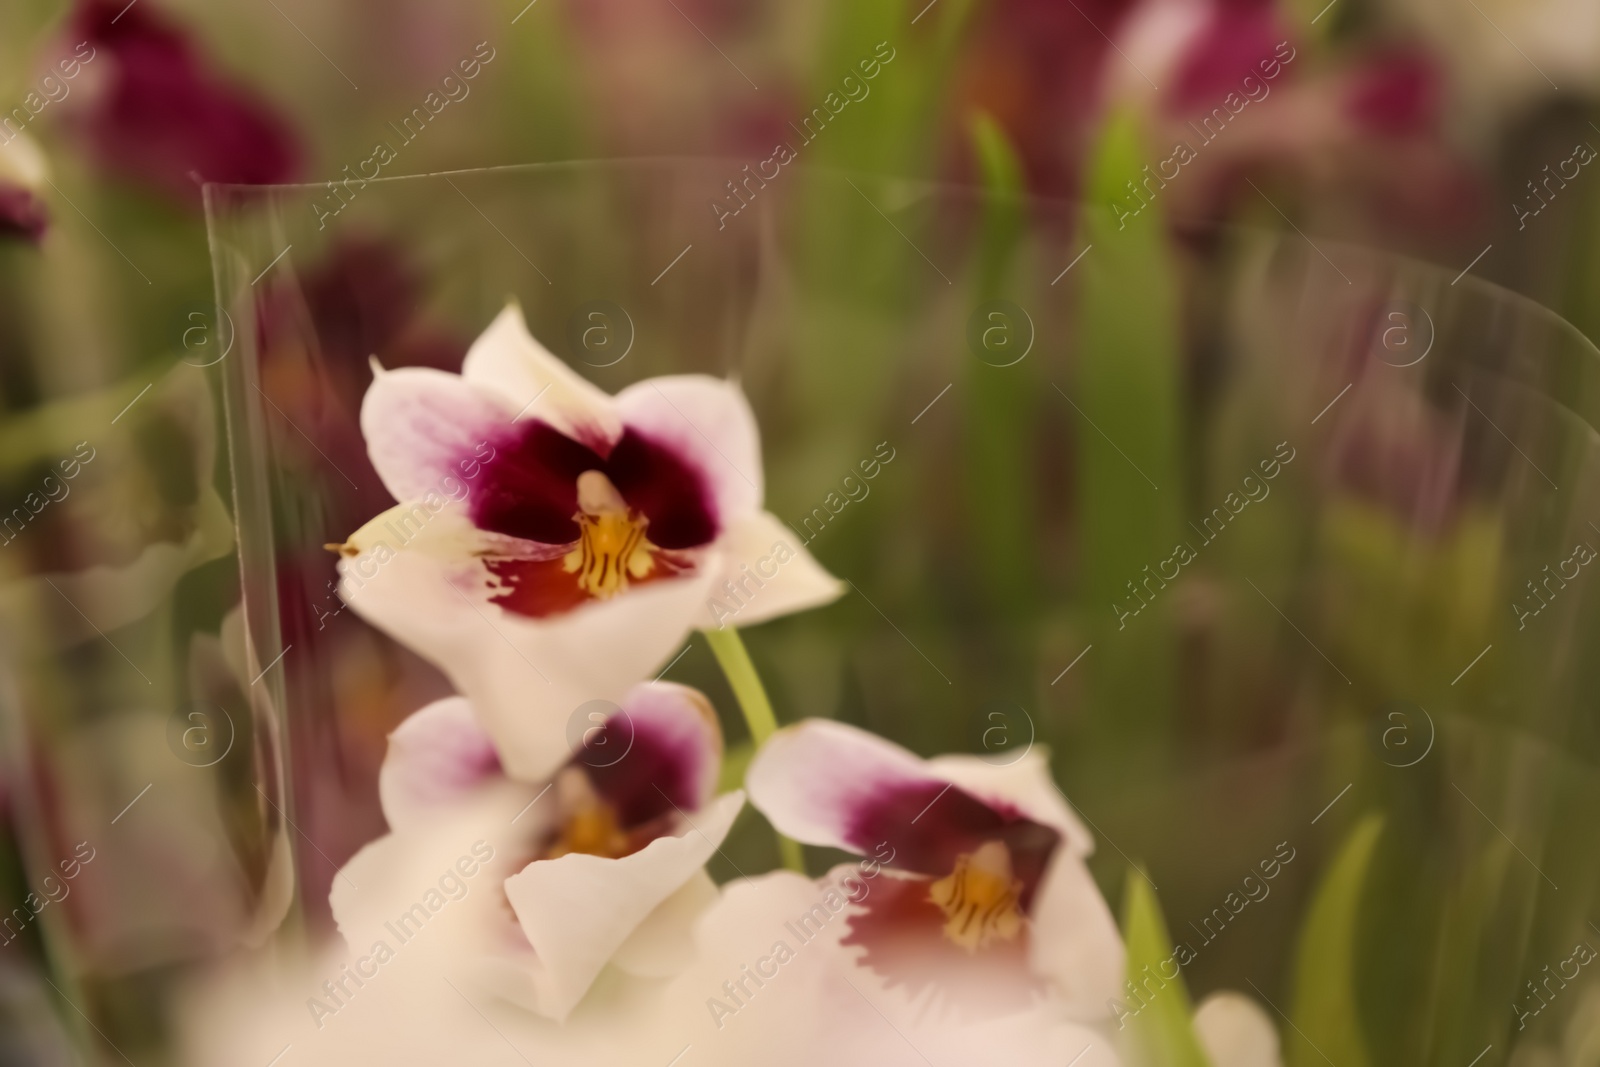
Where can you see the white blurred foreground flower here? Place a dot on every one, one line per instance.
(554, 544)
(777, 981)
(529, 892)
(1236, 1032)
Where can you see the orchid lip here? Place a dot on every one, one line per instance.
(631, 515)
(615, 807)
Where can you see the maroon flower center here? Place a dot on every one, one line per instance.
(629, 513)
(530, 488)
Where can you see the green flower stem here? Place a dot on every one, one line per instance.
(735, 662)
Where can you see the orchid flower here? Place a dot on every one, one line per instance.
(554, 544)
(540, 887)
(986, 900)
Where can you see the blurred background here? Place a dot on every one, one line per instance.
(1089, 279)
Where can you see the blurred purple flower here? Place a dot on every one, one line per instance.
(1233, 39)
(164, 118)
(1360, 134)
(1036, 67)
(22, 214)
(22, 172)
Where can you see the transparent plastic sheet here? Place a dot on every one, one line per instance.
(1354, 636)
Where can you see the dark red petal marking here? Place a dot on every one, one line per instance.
(902, 931)
(529, 489)
(657, 777)
(543, 587)
(930, 824)
(536, 588)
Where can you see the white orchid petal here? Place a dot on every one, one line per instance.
(771, 574)
(578, 910)
(708, 422)
(433, 890)
(1234, 1030)
(664, 943)
(774, 1018)
(437, 757)
(507, 359)
(425, 429)
(1075, 942)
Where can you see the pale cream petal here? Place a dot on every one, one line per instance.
(438, 757)
(578, 910)
(1236, 1032)
(428, 431)
(663, 944)
(534, 384)
(1075, 941)
(766, 572)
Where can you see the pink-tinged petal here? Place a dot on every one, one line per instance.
(826, 783)
(578, 910)
(766, 573)
(509, 361)
(811, 781)
(899, 931)
(526, 677)
(431, 432)
(1233, 1029)
(663, 944)
(1074, 941)
(708, 423)
(437, 758)
(1156, 36)
(660, 753)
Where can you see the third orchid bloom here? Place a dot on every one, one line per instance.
(554, 544)
(987, 901)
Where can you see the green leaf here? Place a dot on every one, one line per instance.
(1003, 213)
(1327, 1025)
(1161, 1027)
(1001, 401)
(1124, 411)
